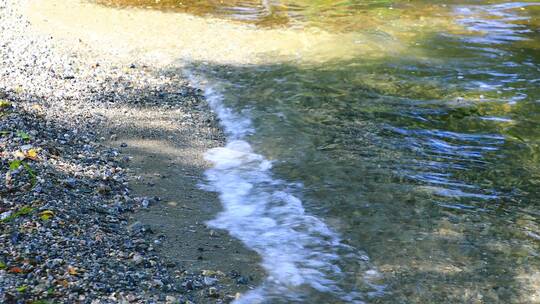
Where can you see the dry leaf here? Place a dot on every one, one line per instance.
(72, 270)
(45, 215)
(15, 270)
(32, 154)
(64, 283)
(19, 155)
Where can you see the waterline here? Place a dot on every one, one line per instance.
(300, 253)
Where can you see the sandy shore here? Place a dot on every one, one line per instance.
(101, 159)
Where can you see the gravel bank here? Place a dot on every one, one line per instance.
(79, 212)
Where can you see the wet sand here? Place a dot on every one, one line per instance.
(166, 165)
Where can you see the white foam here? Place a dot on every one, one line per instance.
(236, 126)
(299, 252)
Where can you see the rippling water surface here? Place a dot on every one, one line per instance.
(407, 174)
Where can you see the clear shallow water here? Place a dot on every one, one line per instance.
(417, 170)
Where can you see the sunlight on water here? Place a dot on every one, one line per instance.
(379, 151)
(166, 38)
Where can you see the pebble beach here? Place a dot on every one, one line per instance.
(72, 227)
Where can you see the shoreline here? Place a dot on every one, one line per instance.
(119, 157)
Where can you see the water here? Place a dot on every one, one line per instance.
(402, 166)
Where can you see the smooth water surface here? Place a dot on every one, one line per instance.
(398, 175)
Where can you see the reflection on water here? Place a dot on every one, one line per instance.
(344, 15)
(259, 12)
(500, 23)
(428, 160)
